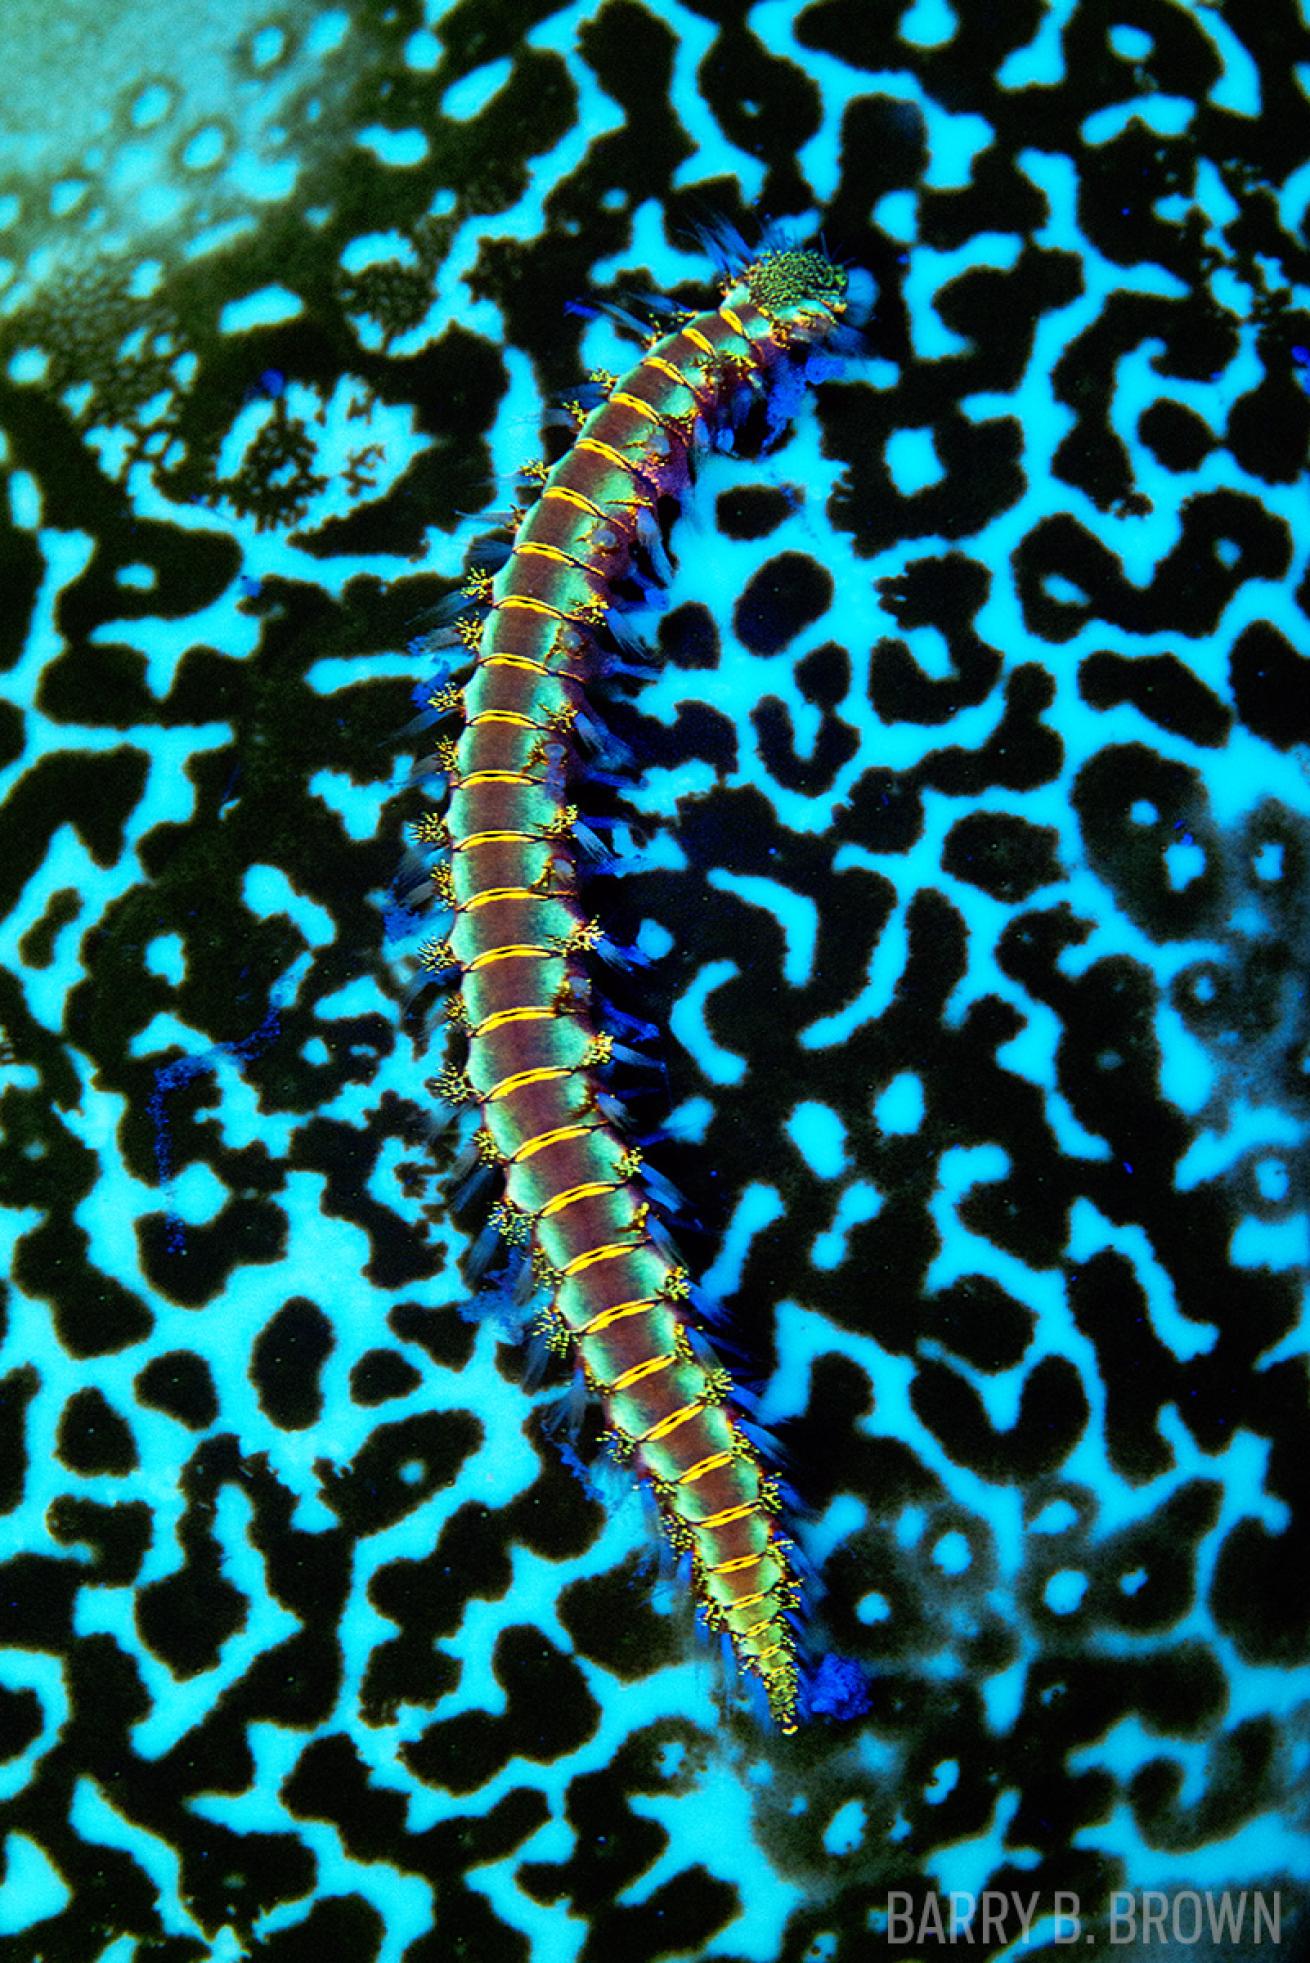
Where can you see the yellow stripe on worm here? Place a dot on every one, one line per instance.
(609, 1252)
(519, 1080)
(635, 402)
(738, 1564)
(562, 558)
(684, 381)
(500, 1017)
(494, 893)
(527, 605)
(575, 498)
(498, 659)
(726, 1518)
(605, 450)
(683, 1414)
(663, 367)
(496, 838)
(587, 1191)
(511, 951)
(532, 1146)
(640, 1371)
(702, 1466)
(619, 1313)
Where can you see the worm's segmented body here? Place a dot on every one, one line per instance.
(573, 1186)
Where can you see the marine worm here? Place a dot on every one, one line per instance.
(618, 1299)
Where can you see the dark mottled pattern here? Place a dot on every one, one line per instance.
(321, 1639)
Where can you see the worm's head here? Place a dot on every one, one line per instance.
(803, 294)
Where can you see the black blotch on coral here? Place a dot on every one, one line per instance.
(615, 1843)
(884, 811)
(426, 1600)
(1261, 1595)
(1268, 428)
(632, 51)
(286, 1361)
(824, 676)
(118, 1536)
(381, 1375)
(982, 474)
(1021, 752)
(92, 1437)
(440, 1333)
(751, 510)
(1139, 1373)
(1053, 1412)
(550, 1712)
(22, 569)
(764, 103)
(1007, 857)
(1271, 683)
(11, 730)
(36, 1598)
(94, 1314)
(1068, 579)
(95, 793)
(103, 682)
(187, 1617)
(397, 1256)
(684, 1914)
(193, 1265)
(1108, 1063)
(688, 637)
(37, 947)
(400, 1466)
(338, 1925)
(1162, 687)
(945, 593)
(786, 595)
(813, 775)
(20, 1721)
(179, 1383)
(232, 1878)
(976, 1319)
(17, 1389)
(1136, 810)
(1145, 1576)
(1180, 438)
(612, 1621)
(699, 731)
(331, 1782)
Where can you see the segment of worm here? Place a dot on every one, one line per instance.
(573, 1189)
